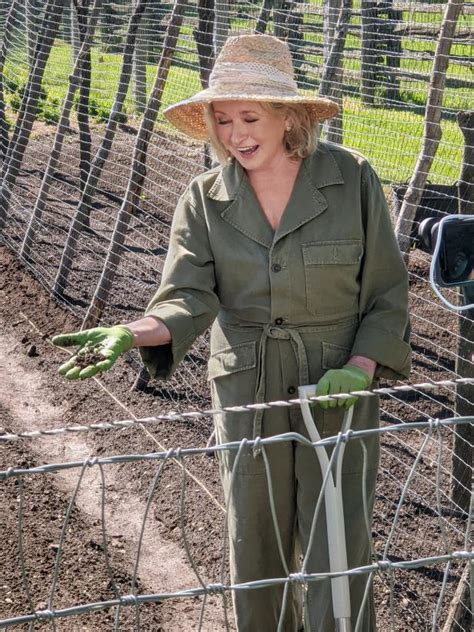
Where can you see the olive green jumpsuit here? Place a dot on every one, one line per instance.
(287, 305)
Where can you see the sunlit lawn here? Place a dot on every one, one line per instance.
(391, 138)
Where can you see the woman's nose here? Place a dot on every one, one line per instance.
(238, 134)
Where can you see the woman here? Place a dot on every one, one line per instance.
(288, 250)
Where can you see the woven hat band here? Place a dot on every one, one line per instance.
(247, 74)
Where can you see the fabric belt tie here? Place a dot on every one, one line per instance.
(276, 333)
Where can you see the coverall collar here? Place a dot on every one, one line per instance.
(306, 201)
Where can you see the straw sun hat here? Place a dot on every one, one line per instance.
(248, 68)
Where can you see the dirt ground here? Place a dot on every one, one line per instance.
(92, 557)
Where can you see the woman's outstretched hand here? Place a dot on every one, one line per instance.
(99, 349)
(349, 378)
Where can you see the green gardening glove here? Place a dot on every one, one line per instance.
(99, 349)
(349, 378)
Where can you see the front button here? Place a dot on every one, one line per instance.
(278, 321)
(291, 390)
(276, 267)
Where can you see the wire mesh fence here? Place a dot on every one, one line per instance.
(91, 173)
(416, 482)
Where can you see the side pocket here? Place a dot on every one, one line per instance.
(233, 359)
(334, 356)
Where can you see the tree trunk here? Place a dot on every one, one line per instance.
(138, 171)
(4, 127)
(81, 218)
(432, 130)
(29, 105)
(74, 82)
(464, 436)
(331, 80)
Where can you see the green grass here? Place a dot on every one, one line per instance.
(390, 138)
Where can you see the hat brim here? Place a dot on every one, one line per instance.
(188, 115)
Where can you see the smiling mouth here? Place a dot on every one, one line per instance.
(247, 151)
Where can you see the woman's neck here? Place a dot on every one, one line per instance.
(282, 170)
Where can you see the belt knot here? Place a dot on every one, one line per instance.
(278, 333)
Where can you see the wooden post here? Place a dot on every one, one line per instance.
(31, 25)
(263, 16)
(432, 130)
(81, 217)
(464, 437)
(85, 136)
(205, 48)
(7, 32)
(295, 37)
(368, 50)
(138, 171)
(139, 67)
(75, 36)
(280, 13)
(203, 38)
(29, 105)
(221, 24)
(332, 73)
(74, 82)
(394, 51)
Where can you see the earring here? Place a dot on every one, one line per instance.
(288, 127)
(229, 159)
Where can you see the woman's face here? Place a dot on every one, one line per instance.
(251, 134)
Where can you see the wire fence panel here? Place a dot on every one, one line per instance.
(438, 559)
(79, 82)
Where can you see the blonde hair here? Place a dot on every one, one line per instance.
(299, 142)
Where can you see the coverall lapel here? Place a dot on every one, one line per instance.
(306, 202)
(243, 211)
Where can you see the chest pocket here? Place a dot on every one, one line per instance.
(331, 271)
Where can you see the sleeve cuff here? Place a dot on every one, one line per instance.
(162, 361)
(392, 354)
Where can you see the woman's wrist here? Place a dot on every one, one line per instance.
(365, 364)
(149, 332)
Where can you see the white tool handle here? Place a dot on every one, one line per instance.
(334, 512)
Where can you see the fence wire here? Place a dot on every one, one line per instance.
(63, 187)
(450, 552)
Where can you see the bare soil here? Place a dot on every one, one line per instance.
(99, 551)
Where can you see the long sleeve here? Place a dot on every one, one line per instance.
(384, 326)
(186, 300)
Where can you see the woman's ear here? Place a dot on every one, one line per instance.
(288, 121)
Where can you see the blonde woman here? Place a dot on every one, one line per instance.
(287, 250)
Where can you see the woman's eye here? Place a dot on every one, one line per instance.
(251, 120)
(222, 122)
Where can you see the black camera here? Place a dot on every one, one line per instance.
(451, 241)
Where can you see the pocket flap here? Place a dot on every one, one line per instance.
(340, 252)
(232, 359)
(334, 356)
